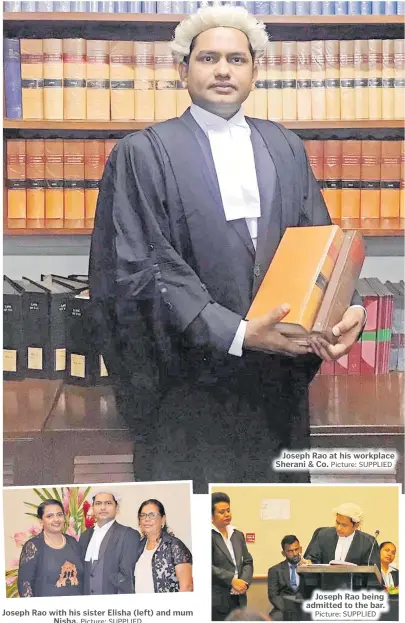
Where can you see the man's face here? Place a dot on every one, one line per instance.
(220, 72)
(345, 526)
(387, 553)
(222, 516)
(293, 552)
(104, 508)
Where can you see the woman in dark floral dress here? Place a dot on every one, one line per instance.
(164, 563)
(50, 563)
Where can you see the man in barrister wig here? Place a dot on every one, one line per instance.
(190, 214)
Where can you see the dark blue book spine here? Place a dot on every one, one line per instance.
(365, 8)
(148, 7)
(135, 7)
(390, 8)
(106, 6)
(262, 8)
(191, 7)
(12, 78)
(47, 7)
(28, 7)
(353, 8)
(12, 7)
(401, 7)
(377, 8)
(61, 7)
(341, 8)
(289, 7)
(121, 7)
(315, 8)
(328, 8)
(276, 8)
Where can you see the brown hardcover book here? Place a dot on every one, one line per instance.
(289, 65)
(390, 179)
(16, 186)
(332, 176)
(122, 80)
(35, 171)
(144, 72)
(248, 105)
(402, 182)
(73, 160)
(54, 183)
(314, 151)
(98, 79)
(399, 63)
(298, 275)
(93, 171)
(388, 79)
(165, 81)
(304, 74)
(32, 78)
(361, 78)
(260, 92)
(109, 145)
(370, 178)
(347, 93)
(342, 283)
(318, 77)
(375, 78)
(274, 81)
(183, 99)
(53, 79)
(332, 74)
(351, 176)
(74, 79)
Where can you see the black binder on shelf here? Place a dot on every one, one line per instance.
(13, 333)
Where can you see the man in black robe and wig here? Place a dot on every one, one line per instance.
(189, 217)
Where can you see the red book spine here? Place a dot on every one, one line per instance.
(368, 340)
(354, 359)
(327, 368)
(342, 365)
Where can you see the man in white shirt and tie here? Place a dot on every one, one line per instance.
(109, 550)
(190, 214)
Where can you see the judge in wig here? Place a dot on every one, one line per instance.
(189, 217)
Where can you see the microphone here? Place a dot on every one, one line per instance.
(376, 533)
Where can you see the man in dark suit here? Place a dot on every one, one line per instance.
(283, 579)
(109, 550)
(232, 565)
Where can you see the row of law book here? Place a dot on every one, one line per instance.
(78, 79)
(381, 348)
(360, 178)
(288, 7)
(54, 183)
(48, 331)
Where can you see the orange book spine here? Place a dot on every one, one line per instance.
(16, 184)
(54, 183)
(260, 92)
(74, 80)
(402, 182)
(165, 81)
(390, 179)
(375, 78)
(144, 71)
(314, 149)
(399, 64)
(332, 153)
(388, 79)
(35, 172)
(109, 145)
(93, 171)
(289, 65)
(183, 99)
(122, 80)
(332, 74)
(351, 176)
(248, 105)
(318, 77)
(347, 94)
(53, 79)
(370, 179)
(304, 74)
(274, 81)
(98, 79)
(73, 162)
(32, 78)
(361, 79)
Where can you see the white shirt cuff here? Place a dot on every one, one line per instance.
(365, 313)
(237, 344)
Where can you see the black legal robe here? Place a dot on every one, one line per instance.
(170, 280)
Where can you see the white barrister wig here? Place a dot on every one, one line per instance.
(214, 17)
(350, 510)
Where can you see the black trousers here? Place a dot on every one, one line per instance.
(218, 615)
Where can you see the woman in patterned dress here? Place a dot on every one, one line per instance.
(50, 563)
(164, 564)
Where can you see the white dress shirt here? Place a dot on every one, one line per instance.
(143, 572)
(229, 530)
(93, 547)
(343, 546)
(387, 577)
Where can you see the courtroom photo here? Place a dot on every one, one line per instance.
(203, 248)
(276, 549)
(97, 540)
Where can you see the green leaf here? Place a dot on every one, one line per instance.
(43, 498)
(32, 515)
(32, 505)
(49, 496)
(57, 495)
(85, 494)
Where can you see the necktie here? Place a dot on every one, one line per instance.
(293, 580)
